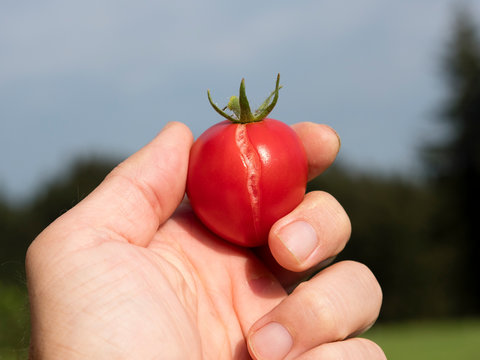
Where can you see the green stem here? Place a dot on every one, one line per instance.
(220, 111)
(245, 112)
(264, 113)
(241, 108)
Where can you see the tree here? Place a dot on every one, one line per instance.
(390, 234)
(454, 164)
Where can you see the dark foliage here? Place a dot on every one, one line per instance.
(19, 226)
(392, 234)
(454, 164)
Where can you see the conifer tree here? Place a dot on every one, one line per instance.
(454, 163)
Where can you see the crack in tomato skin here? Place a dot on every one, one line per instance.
(253, 171)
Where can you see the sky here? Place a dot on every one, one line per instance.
(102, 78)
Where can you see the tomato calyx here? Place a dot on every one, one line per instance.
(240, 107)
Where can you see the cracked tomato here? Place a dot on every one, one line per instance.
(246, 172)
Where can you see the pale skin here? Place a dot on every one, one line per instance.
(130, 273)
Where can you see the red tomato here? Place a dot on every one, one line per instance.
(243, 177)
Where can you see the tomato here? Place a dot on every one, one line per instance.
(244, 176)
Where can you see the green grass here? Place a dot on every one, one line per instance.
(439, 340)
(13, 322)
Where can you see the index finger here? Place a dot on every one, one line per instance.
(321, 144)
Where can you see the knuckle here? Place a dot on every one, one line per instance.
(319, 195)
(328, 217)
(134, 190)
(363, 274)
(319, 309)
(368, 289)
(367, 279)
(333, 211)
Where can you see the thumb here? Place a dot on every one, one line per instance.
(139, 194)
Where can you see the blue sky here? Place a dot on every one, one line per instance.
(103, 77)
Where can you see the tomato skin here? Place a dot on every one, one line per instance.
(242, 178)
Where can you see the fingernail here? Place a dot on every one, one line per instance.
(272, 341)
(299, 238)
(339, 141)
(338, 138)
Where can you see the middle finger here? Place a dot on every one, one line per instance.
(315, 231)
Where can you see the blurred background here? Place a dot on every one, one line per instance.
(85, 84)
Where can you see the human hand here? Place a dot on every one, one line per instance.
(131, 273)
